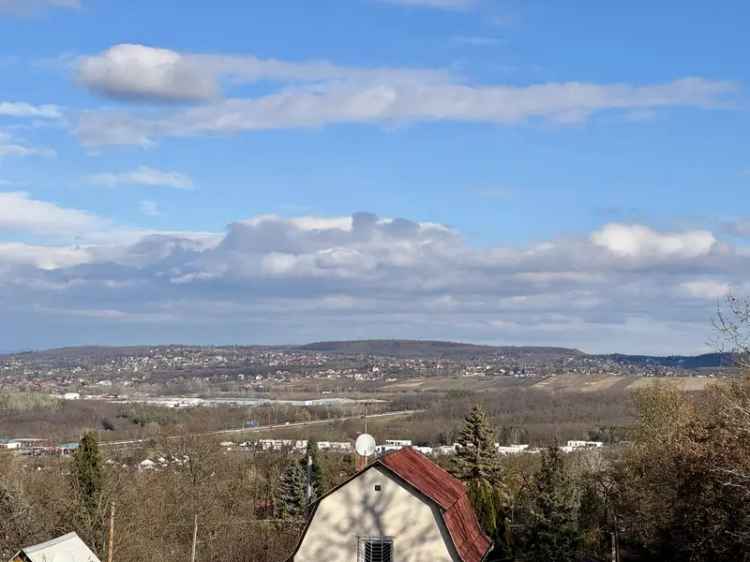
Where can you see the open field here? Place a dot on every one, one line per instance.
(562, 383)
(573, 383)
(534, 409)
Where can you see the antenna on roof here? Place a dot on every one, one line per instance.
(365, 445)
(366, 440)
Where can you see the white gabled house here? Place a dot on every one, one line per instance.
(401, 508)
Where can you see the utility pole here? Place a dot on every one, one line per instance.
(365, 416)
(195, 537)
(110, 547)
(309, 478)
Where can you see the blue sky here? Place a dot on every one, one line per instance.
(518, 172)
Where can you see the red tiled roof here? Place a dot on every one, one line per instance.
(449, 493)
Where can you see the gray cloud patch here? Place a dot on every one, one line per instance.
(273, 279)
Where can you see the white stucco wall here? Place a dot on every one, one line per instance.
(357, 510)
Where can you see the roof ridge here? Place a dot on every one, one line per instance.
(420, 455)
(51, 542)
(454, 487)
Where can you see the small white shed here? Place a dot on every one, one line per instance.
(68, 548)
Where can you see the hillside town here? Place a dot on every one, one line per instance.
(174, 369)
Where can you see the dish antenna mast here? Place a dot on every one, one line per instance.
(365, 447)
(365, 443)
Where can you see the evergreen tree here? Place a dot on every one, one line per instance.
(477, 463)
(476, 460)
(551, 532)
(88, 477)
(291, 502)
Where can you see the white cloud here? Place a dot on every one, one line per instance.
(708, 289)
(22, 109)
(131, 71)
(313, 277)
(633, 241)
(43, 257)
(143, 175)
(12, 147)
(318, 93)
(135, 71)
(393, 101)
(304, 223)
(21, 214)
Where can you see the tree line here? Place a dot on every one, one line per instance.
(678, 491)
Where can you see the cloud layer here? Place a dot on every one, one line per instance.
(314, 94)
(19, 213)
(143, 73)
(625, 287)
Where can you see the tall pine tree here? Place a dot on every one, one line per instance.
(291, 502)
(477, 463)
(476, 458)
(551, 531)
(88, 477)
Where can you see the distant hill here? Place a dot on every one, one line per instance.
(436, 349)
(455, 350)
(704, 361)
(397, 348)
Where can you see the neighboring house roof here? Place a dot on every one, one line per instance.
(449, 493)
(441, 488)
(68, 548)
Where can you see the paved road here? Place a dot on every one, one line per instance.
(265, 427)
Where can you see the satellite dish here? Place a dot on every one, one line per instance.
(365, 445)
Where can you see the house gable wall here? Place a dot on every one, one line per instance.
(357, 510)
